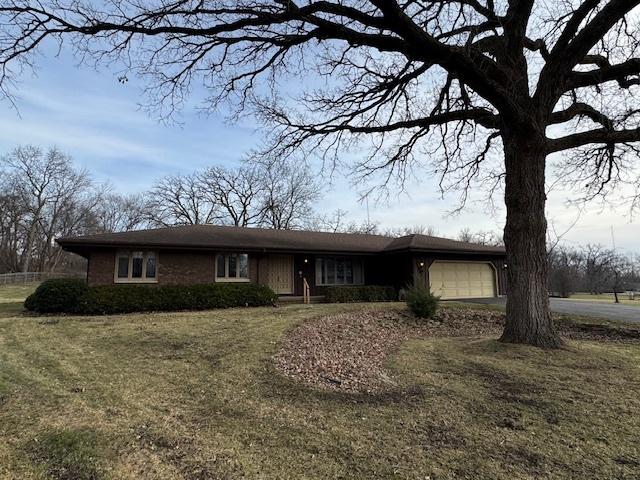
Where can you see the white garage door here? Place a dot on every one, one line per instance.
(462, 280)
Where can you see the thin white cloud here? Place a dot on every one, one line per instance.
(83, 140)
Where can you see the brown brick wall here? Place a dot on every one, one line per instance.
(100, 267)
(174, 267)
(184, 267)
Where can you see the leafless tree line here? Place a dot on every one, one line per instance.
(43, 196)
(274, 194)
(482, 237)
(593, 269)
(590, 268)
(337, 222)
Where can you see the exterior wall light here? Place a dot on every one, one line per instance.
(306, 260)
(421, 264)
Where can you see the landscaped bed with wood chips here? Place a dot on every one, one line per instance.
(213, 395)
(349, 351)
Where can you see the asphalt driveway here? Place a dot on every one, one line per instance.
(611, 311)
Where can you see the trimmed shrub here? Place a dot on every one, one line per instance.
(421, 301)
(56, 295)
(363, 293)
(113, 299)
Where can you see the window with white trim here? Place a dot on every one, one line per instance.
(339, 271)
(232, 267)
(134, 266)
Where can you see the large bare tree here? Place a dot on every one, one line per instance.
(179, 200)
(13, 213)
(120, 213)
(237, 193)
(45, 197)
(290, 193)
(455, 79)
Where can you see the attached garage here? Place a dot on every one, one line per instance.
(286, 259)
(450, 280)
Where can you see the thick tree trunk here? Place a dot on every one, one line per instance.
(528, 317)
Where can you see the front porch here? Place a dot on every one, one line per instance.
(292, 299)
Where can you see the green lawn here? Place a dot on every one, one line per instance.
(606, 298)
(195, 396)
(12, 297)
(581, 319)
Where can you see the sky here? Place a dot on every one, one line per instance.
(97, 120)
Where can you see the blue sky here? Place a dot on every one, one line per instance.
(97, 120)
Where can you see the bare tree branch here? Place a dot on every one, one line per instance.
(601, 135)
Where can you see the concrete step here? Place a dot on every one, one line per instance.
(284, 299)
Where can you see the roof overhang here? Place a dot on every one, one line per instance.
(84, 248)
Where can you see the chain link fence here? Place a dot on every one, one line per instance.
(33, 277)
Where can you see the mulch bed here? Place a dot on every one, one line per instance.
(346, 352)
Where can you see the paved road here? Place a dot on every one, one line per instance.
(611, 311)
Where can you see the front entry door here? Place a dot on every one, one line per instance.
(280, 274)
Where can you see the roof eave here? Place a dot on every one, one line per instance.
(444, 250)
(77, 247)
(81, 247)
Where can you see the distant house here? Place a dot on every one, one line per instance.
(284, 259)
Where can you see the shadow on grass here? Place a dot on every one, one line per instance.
(67, 454)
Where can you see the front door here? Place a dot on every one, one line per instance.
(280, 276)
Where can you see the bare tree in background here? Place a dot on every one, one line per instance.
(121, 213)
(411, 230)
(236, 193)
(290, 190)
(565, 271)
(597, 268)
(461, 81)
(336, 222)
(179, 200)
(277, 194)
(618, 267)
(13, 213)
(46, 198)
(593, 268)
(481, 237)
(333, 222)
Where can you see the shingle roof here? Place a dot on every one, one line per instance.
(262, 239)
(427, 242)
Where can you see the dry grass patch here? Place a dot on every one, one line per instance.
(196, 395)
(540, 414)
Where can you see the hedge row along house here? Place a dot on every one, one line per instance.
(291, 262)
